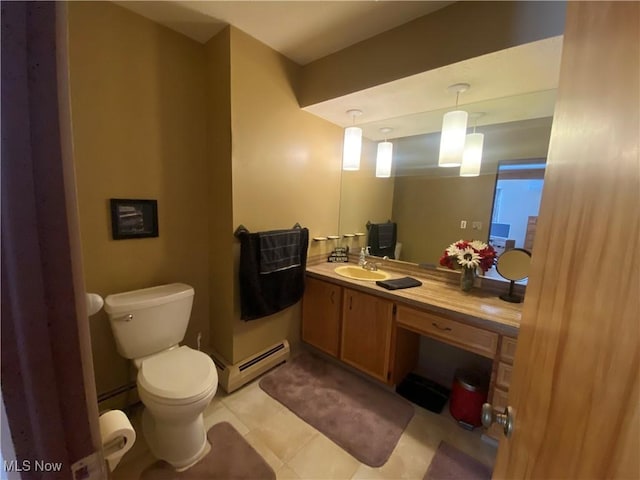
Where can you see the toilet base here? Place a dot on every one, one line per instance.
(181, 444)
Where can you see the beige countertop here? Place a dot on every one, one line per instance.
(479, 307)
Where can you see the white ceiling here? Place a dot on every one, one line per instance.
(301, 30)
(510, 85)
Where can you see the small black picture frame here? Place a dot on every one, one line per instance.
(133, 218)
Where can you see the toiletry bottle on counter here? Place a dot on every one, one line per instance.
(362, 260)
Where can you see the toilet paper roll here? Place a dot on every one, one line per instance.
(118, 436)
(94, 303)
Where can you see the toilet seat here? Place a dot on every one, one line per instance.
(178, 376)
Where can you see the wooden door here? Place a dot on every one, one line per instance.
(366, 333)
(575, 388)
(321, 310)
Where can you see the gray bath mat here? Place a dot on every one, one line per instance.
(449, 463)
(360, 417)
(231, 457)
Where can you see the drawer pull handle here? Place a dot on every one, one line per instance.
(333, 294)
(445, 329)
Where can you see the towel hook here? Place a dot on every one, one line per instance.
(369, 223)
(241, 229)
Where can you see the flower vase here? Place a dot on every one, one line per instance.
(467, 279)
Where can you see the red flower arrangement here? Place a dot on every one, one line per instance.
(469, 254)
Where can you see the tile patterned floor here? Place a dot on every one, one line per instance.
(296, 450)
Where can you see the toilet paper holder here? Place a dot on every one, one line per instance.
(118, 436)
(114, 445)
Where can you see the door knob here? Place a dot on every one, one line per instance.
(505, 419)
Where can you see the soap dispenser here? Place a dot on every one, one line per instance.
(363, 259)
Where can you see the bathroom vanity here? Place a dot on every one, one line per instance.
(377, 331)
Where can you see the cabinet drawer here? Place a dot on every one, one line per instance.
(508, 349)
(500, 399)
(503, 378)
(470, 338)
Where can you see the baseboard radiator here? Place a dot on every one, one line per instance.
(232, 377)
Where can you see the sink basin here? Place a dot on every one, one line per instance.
(359, 273)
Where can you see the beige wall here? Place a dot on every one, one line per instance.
(286, 169)
(429, 209)
(215, 133)
(138, 132)
(458, 32)
(219, 206)
(364, 197)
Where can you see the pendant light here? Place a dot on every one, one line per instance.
(352, 144)
(454, 130)
(384, 157)
(472, 156)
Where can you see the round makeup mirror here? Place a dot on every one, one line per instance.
(513, 265)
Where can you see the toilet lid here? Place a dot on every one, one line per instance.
(180, 373)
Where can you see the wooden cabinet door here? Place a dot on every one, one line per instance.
(321, 308)
(366, 333)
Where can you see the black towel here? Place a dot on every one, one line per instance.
(279, 250)
(386, 232)
(268, 293)
(398, 283)
(382, 239)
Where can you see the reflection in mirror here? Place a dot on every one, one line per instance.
(364, 198)
(513, 265)
(516, 204)
(429, 204)
(433, 207)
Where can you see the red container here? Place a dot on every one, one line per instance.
(468, 393)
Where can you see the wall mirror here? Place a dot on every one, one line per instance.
(514, 89)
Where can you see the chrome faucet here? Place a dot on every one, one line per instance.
(370, 266)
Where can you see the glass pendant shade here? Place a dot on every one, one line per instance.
(352, 148)
(383, 159)
(454, 130)
(472, 157)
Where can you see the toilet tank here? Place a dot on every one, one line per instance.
(149, 320)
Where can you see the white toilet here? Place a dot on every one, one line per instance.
(175, 383)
